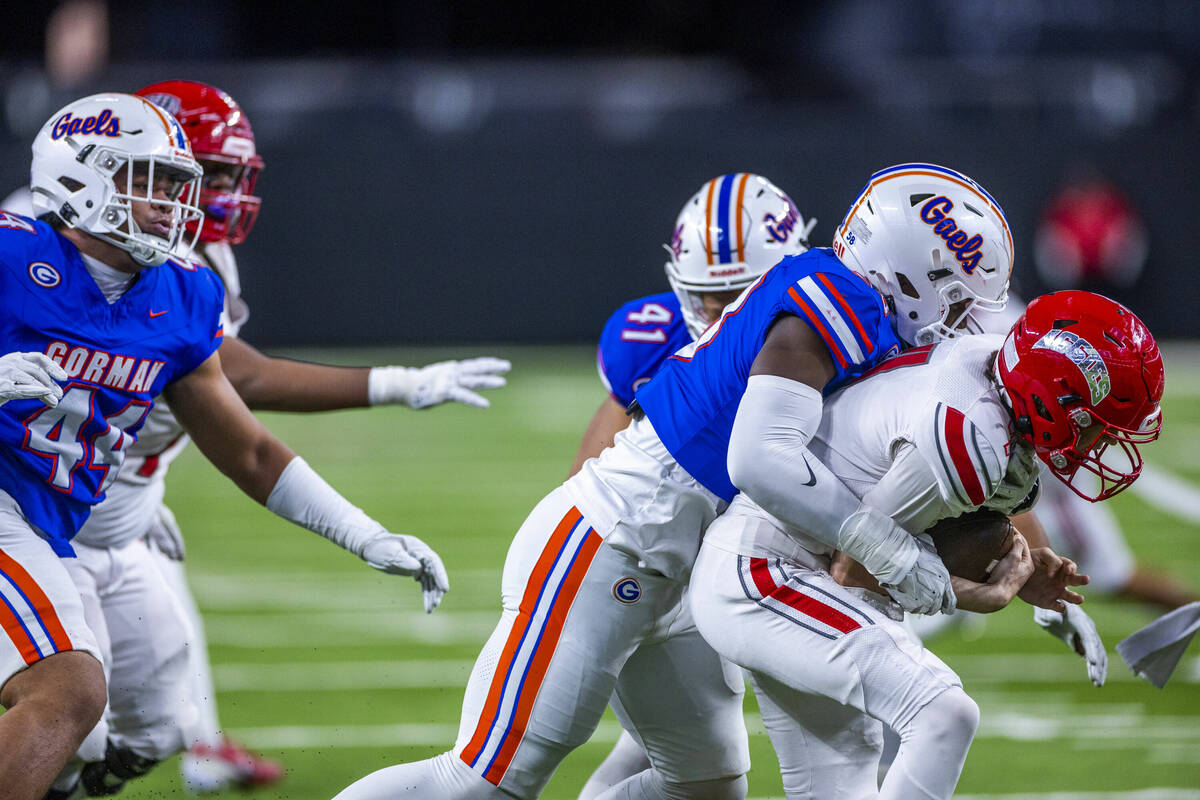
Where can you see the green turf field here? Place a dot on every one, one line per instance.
(331, 667)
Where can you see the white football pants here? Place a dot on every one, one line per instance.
(582, 623)
(828, 667)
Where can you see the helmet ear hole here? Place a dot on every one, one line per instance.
(1041, 409)
(906, 286)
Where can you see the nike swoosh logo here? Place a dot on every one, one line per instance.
(812, 477)
(154, 314)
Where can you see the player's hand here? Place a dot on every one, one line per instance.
(1005, 580)
(165, 535)
(924, 589)
(1049, 585)
(1019, 488)
(1076, 628)
(444, 382)
(397, 554)
(25, 375)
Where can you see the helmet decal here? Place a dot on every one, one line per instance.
(1083, 355)
(103, 124)
(731, 231)
(936, 212)
(780, 229)
(167, 102)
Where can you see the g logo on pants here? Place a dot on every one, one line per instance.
(627, 591)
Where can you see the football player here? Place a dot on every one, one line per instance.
(593, 582)
(146, 709)
(925, 436)
(643, 333)
(100, 320)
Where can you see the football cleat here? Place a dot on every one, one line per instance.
(227, 766)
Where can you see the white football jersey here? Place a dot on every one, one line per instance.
(133, 498)
(940, 400)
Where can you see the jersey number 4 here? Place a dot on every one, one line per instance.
(651, 314)
(74, 433)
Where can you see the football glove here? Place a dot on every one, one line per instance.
(397, 554)
(164, 534)
(1018, 489)
(1079, 633)
(25, 375)
(446, 381)
(925, 588)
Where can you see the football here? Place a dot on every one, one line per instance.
(971, 544)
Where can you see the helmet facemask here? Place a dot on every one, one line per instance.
(169, 185)
(1102, 449)
(231, 209)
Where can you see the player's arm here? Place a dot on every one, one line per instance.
(279, 384)
(1053, 576)
(909, 494)
(267, 470)
(609, 420)
(769, 460)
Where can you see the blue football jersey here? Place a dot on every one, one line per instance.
(693, 399)
(637, 339)
(57, 462)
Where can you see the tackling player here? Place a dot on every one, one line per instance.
(100, 320)
(594, 578)
(924, 437)
(643, 333)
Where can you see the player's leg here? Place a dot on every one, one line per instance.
(797, 627)
(684, 705)
(149, 705)
(212, 761)
(51, 678)
(544, 678)
(825, 748)
(626, 760)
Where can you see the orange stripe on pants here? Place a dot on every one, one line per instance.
(528, 605)
(541, 658)
(38, 600)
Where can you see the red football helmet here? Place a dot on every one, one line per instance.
(223, 142)
(1084, 378)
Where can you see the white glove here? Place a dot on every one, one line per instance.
(25, 375)
(397, 554)
(165, 535)
(924, 589)
(421, 387)
(1018, 484)
(1076, 628)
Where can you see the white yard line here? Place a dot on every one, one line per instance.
(1168, 491)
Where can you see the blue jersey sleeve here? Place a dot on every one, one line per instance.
(637, 339)
(849, 316)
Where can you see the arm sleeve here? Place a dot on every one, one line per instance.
(770, 462)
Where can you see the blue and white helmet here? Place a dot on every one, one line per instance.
(733, 230)
(934, 243)
(78, 153)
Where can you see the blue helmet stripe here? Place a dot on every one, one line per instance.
(723, 249)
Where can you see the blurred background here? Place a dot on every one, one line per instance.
(526, 161)
(458, 174)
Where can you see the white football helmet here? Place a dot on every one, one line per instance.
(733, 230)
(934, 243)
(79, 151)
